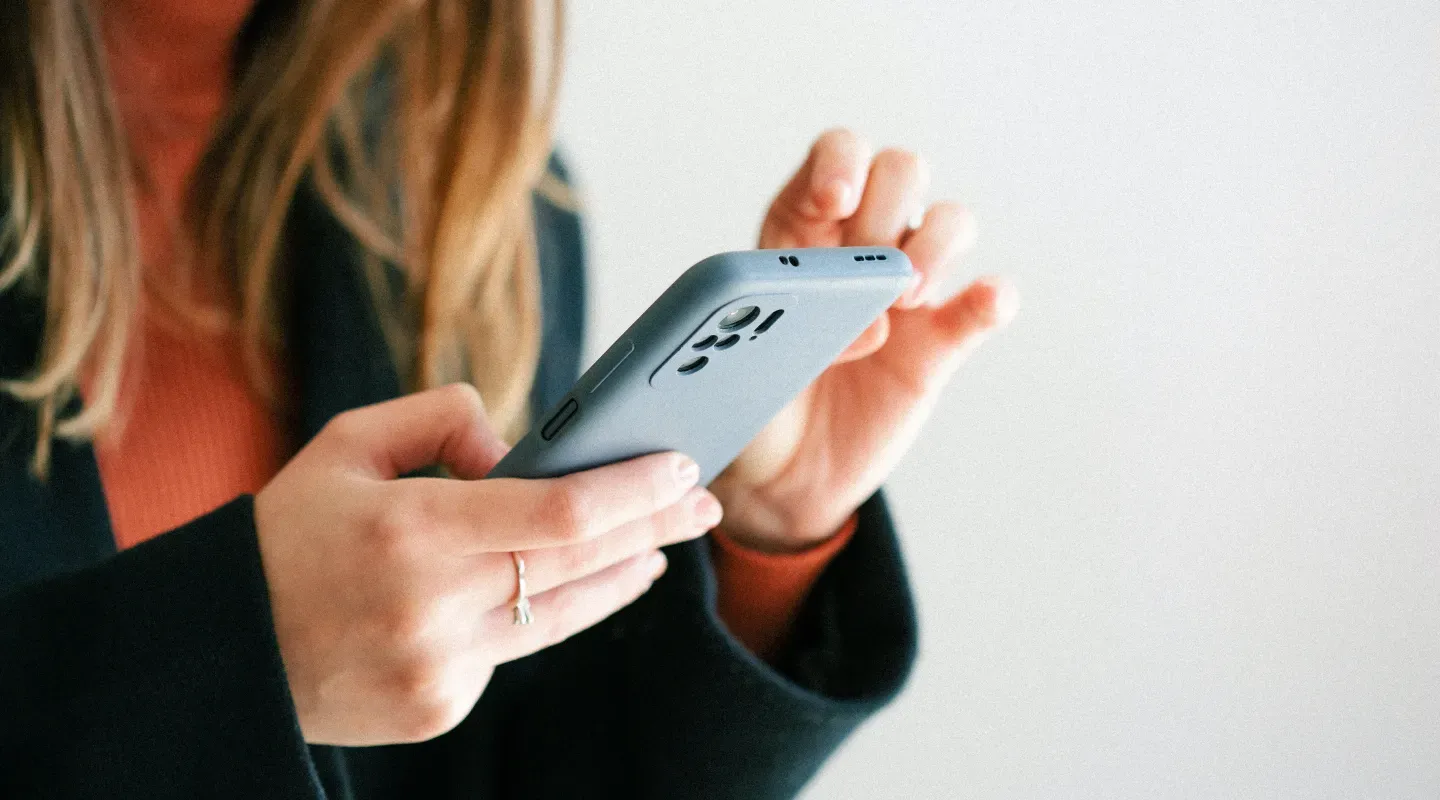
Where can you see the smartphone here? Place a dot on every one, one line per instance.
(724, 349)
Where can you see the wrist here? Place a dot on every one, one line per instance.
(768, 529)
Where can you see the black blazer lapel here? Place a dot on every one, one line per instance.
(46, 527)
(339, 358)
(339, 361)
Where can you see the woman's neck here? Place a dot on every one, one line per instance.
(174, 56)
(170, 64)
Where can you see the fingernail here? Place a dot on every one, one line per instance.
(687, 472)
(655, 565)
(707, 511)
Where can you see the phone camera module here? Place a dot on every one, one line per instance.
(770, 320)
(739, 318)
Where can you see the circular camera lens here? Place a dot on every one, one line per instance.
(728, 342)
(739, 318)
(693, 366)
(704, 343)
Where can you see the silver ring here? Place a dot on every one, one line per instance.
(522, 597)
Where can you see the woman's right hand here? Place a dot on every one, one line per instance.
(392, 597)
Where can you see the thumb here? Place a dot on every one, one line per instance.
(446, 426)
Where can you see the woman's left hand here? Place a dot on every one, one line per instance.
(812, 466)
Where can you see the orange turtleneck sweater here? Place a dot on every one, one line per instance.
(193, 434)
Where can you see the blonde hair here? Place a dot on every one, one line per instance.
(463, 91)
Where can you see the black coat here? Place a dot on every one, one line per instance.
(155, 672)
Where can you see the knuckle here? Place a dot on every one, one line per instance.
(428, 706)
(463, 396)
(671, 524)
(563, 512)
(417, 681)
(405, 625)
(392, 532)
(657, 485)
(465, 403)
(578, 561)
(344, 429)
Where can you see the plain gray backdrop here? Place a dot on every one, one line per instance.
(1176, 533)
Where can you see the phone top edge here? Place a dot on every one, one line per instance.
(742, 268)
(808, 279)
(859, 260)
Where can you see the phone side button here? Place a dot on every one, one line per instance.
(558, 421)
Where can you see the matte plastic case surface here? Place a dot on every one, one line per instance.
(636, 400)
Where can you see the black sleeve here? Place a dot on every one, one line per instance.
(153, 674)
(714, 721)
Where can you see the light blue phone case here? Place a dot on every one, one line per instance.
(700, 374)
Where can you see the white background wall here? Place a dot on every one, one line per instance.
(1177, 532)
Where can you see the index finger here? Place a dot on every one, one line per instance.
(826, 189)
(504, 514)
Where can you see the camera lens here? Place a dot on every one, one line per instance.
(693, 366)
(739, 318)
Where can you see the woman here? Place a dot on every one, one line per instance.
(235, 234)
